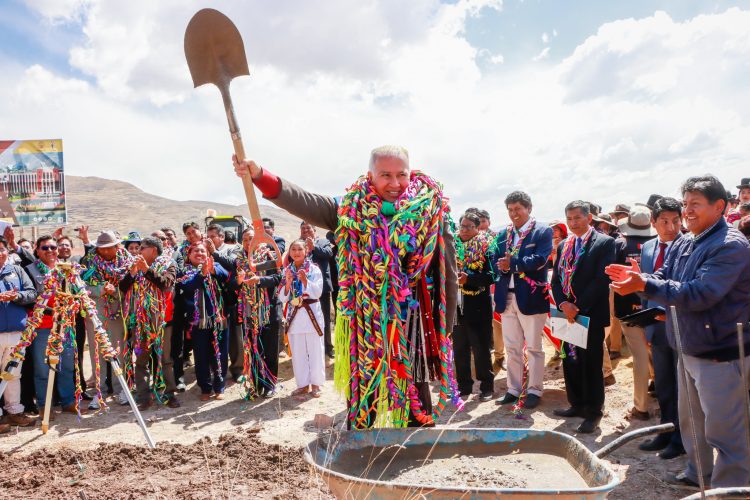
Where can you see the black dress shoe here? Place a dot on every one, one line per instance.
(532, 401)
(672, 451)
(658, 443)
(682, 481)
(507, 399)
(589, 425)
(567, 412)
(485, 396)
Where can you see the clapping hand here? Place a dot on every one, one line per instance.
(8, 296)
(302, 274)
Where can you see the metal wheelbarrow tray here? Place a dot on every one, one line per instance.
(361, 464)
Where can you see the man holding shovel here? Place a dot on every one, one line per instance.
(373, 223)
(706, 277)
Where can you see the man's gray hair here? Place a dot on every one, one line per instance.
(389, 151)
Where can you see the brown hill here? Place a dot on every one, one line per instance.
(110, 204)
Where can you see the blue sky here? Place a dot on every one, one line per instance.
(489, 96)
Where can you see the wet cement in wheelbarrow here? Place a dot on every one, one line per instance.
(485, 470)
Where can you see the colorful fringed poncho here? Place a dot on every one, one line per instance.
(144, 310)
(254, 313)
(100, 272)
(69, 291)
(387, 266)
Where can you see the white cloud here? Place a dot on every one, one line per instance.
(634, 109)
(541, 55)
(545, 38)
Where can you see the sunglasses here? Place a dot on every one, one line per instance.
(47, 248)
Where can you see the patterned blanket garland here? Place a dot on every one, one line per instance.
(211, 292)
(254, 313)
(99, 272)
(69, 292)
(472, 256)
(380, 261)
(144, 311)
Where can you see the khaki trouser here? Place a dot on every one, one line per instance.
(519, 328)
(636, 337)
(606, 362)
(497, 339)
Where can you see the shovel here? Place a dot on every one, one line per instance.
(215, 54)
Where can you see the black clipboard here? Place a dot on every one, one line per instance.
(643, 318)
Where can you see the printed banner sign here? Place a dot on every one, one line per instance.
(32, 184)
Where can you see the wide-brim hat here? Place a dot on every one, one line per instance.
(107, 239)
(132, 237)
(638, 222)
(744, 183)
(606, 218)
(621, 208)
(563, 227)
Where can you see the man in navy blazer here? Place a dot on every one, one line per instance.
(581, 287)
(666, 217)
(519, 260)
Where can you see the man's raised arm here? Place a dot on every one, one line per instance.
(318, 210)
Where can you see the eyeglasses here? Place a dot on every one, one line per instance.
(163, 239)
(47, 248)
(468, 226)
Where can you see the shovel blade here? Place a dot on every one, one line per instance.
(214, 49)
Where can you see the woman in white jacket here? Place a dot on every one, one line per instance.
(301, 288)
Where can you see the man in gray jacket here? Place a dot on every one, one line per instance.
(706, 276)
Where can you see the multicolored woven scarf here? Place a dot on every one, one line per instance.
(472, 256)
(253, 313)
(569, 259)
(380, 261)
(144, 310)
(100, 272)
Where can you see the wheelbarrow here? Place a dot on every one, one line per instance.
(382, 463)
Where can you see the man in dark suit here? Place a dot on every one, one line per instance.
(666, 218)
(581, 287)
(321, 251)
(521, 295)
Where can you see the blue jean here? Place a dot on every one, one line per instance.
(208, 375)
(65, 377)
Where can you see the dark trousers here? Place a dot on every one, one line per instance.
(208, 375)
(28, 390)
(325, 305)
(664, 359)
(81, 345)
(473, 335)
(181, 347)
(236, 346)
(269, 340)
(584, 380)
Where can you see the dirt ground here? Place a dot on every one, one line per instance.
(250, 449)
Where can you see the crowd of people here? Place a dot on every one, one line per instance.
(416, 301)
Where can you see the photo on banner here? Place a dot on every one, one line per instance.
(32, 183)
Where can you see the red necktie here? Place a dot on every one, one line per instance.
(660, 257)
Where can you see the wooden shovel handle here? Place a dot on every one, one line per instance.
(252, 202)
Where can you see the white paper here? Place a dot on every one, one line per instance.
(575, 333)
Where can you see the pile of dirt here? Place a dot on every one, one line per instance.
(237, 466)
